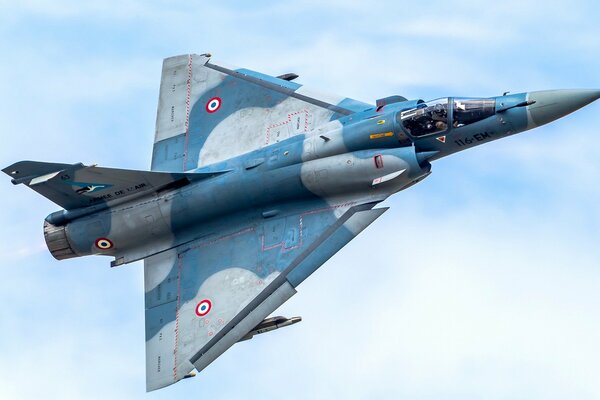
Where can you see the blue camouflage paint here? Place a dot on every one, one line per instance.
(351, 104)
(244, 232)
(235, 94)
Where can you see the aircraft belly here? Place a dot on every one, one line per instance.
(162, 223)
(204, 357)
(228, 290)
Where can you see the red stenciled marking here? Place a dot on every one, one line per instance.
(187, 112)
(175, 350)
(289, 120)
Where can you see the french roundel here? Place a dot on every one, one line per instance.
(203, 308)
(213, 104)
(103, 243)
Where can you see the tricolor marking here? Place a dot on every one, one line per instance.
(203, 307)
(213, 104)
(103, 243)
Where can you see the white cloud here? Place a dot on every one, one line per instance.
(480, 282)
(69, 9)
(432, 303)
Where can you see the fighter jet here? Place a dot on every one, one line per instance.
(255, 182)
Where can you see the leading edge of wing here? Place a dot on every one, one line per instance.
(356, 219)
(288, 91)
(170, 318)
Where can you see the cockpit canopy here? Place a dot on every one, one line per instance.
(433, 116)
(466, 111)
(426, 118)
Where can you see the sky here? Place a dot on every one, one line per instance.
(480, 282)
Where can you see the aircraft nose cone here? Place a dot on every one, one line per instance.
(553, 104)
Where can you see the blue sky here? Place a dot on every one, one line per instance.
(480, 282)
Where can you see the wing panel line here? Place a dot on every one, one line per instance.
(280, 89)
(187, 112)
(279, 280)
(176, 349)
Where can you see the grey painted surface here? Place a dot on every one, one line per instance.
(255, 183)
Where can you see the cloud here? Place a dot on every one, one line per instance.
(69, 9)
(479, 282)
(426, 309)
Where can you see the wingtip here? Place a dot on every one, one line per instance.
(12, 170)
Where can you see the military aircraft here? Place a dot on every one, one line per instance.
(255, 182)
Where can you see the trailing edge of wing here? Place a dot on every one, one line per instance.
(329, 242)
(243, 287)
